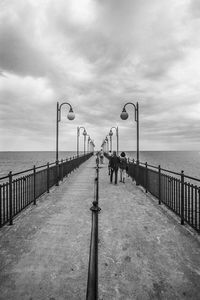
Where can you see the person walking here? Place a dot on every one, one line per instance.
(101, 156)
(114, 166)
(109, 156)
(123, 166)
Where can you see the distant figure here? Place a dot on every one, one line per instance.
(101, 156)
(109, 156)
(97, 158)
(123, 167)
(114, 166)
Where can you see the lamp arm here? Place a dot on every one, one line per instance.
(114, 128)
(136, 110)
(59, 109)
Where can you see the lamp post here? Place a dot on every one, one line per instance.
(124, 116)
(78, 134)
(85, 134)
(106, 140)
(70, 116)
(111, 134)
(88, 142)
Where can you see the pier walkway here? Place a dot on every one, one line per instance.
(144, 253)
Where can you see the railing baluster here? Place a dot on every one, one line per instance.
(198, 226)
(34, 185)
(192, 203)
(47, 177)
(196, 206)
(10, 199)
(182, 197)
(146, 177)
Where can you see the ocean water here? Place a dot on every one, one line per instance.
(189, 161)
(22, 160)
(176, 161)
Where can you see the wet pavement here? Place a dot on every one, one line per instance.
(144, 252)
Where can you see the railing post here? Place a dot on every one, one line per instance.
(10, 198)
(182, 198)
(62, 169)
(66, 173)
(34, 185)
(137, 172)
(146, 179)
(159, 184)
(47, 177)
(57, 173)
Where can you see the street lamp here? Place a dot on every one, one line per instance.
(85, 134)
(78, 134)
(124, 116)
(111, 134)
(88, 143)
(106, 140)
(70, 116)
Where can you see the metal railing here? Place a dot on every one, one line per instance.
(17, 192)
(179, 192)
(92, 283)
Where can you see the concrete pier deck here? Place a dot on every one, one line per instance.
(144, 252)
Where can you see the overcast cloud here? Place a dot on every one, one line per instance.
(97, 55)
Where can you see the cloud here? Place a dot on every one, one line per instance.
(97, 55)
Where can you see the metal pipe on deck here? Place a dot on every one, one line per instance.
(92, 283)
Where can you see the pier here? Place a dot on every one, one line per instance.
(144, 251)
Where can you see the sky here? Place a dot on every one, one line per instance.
(98, 55)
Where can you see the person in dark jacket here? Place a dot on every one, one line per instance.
(114, 166)
(123, 167)
(109, 156)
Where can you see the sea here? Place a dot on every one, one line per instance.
(176, 161)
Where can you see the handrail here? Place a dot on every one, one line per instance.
(16, 194)
(172, 172)
(177, 193)
(92, 283)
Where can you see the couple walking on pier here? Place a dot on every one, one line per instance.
(115, 163)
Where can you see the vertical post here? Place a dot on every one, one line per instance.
(137, 121)
(88, 145)
(62, 169)
(47, 177)
(117, 133)
(57, 125)
(146, 179)
(10, 198)
(34, 185)
(92, 283)
(77, 141)
(57, 173)
(137, 118)
(97, 184)
(137, 172)
(182, 198)
(84, 143)
(159, 184)
(111, 143)
(66, 173)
